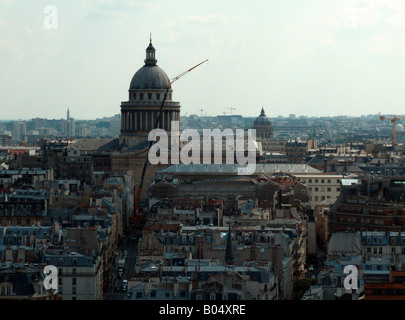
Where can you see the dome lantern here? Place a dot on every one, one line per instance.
(150, 54)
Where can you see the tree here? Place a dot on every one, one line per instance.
(302, 285)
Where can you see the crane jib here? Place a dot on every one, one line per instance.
(138, 196)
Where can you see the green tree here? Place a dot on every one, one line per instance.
(302, 285)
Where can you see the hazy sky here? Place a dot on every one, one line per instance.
(307, 57)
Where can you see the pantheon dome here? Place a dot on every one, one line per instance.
(146, 94)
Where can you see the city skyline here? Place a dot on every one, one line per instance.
(307, 58)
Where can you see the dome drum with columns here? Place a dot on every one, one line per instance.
(146, 93)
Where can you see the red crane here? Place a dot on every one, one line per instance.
(394, 121)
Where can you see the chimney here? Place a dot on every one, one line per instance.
(175, 286)
(147, 286)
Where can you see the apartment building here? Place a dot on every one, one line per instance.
(80, 277)
(206, 279)
(322, 188)
(369, 204)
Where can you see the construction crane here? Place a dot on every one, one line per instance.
(394, 120)
(230, 109)
(136, 217)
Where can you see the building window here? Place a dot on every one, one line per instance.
(73, 281)
(158, 96)
(149, 96)
(141, 96)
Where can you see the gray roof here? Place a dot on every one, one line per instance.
(12, 233)
(81, 260)
(93, 144)
(233, 168)
(345, 242)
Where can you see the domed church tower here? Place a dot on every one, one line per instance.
(146, 93)
(263, 126)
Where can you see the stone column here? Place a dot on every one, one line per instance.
(126, 120)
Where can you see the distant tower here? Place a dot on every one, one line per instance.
(68, 127)
(229, 256)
